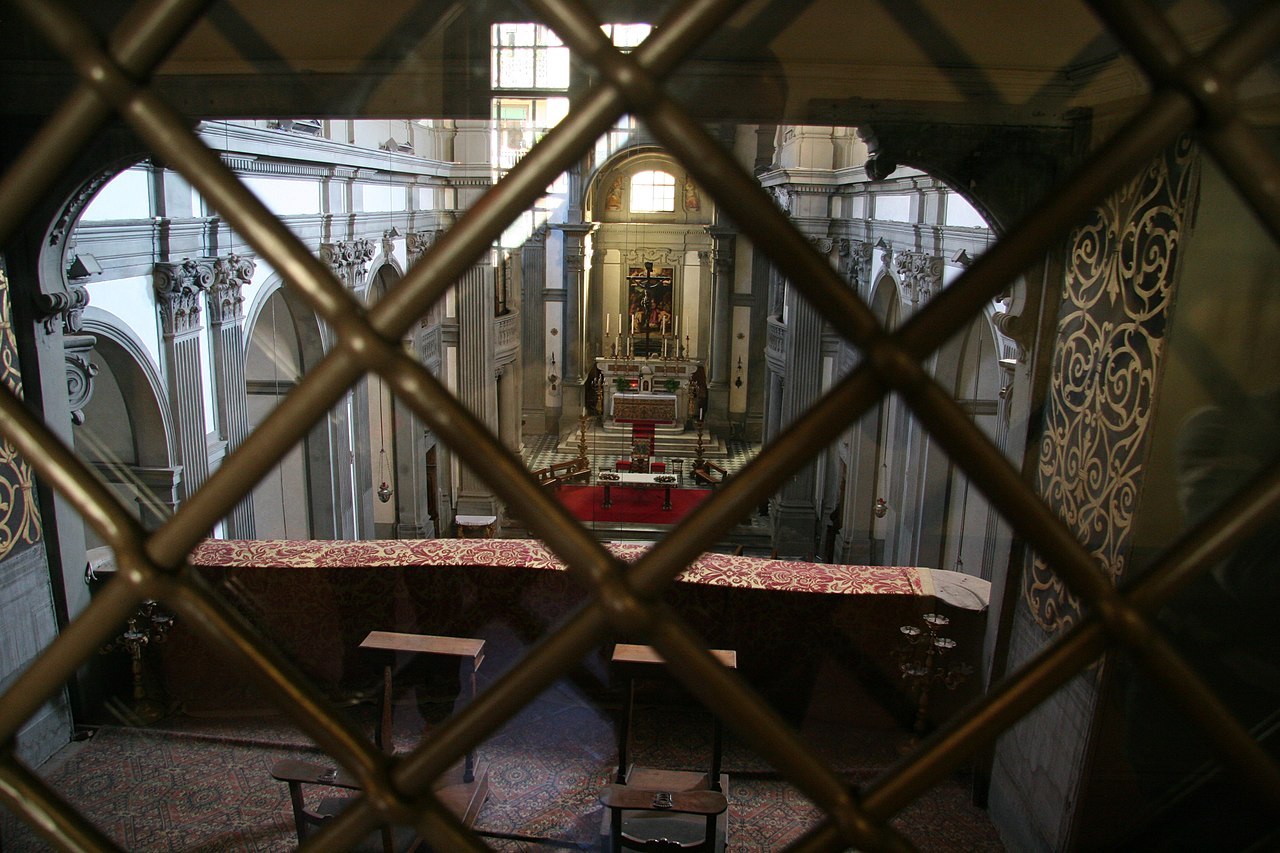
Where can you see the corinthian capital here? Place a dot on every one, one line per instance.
(921, 274)
(230, 275)
(349, 259)
(180, 293)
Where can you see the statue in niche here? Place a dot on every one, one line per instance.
(613, 201)
(691, 201)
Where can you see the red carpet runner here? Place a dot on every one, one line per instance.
(630, 505)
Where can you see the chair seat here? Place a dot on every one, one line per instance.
(704, 802)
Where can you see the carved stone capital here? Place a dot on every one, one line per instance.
(230, 276)
(180, 293)
(416, 243)
(920, 274)
(348, 259)
(855, 261)
(824, 245)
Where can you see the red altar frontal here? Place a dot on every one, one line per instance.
(787, 620)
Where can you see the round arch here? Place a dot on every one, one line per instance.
(283, 340)
(128, 434)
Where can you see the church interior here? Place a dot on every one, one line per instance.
(605, 425)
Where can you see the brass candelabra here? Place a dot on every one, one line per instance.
(922, 662)
(148, 625)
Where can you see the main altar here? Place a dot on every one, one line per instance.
(666, 391)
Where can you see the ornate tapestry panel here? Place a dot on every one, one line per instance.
(1111, 333)
(19, 513)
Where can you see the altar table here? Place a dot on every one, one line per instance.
(645, 407)
(640, 480)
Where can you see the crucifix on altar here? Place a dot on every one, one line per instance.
(649, 305)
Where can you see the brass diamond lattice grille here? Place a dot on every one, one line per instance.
(1192, 92)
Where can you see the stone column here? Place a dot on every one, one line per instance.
(180, 291)
(475, 378)
(533, 283)
(349, 262)
(720, 373)
(226, 320)
(795, 513)
(573, 370)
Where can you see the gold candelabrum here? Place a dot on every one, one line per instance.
(582, 435)
(922, 661)
(698, 447)
(149, 625)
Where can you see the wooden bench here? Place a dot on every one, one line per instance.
(571, 471)
(709, 473)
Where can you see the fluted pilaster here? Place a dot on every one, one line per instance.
(226, 320)
(180, 290)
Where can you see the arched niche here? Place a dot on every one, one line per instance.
(127, 434)
(672, 244)
(284, 340)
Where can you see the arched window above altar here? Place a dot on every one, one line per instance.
(653, 192)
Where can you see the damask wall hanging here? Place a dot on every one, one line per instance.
(19, 513)
(1110, 341)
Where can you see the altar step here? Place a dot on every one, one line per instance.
(610, 445)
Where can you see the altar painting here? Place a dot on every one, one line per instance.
(649, 300)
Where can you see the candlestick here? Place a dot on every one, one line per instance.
(606, 325)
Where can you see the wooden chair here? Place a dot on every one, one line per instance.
(653, 809)
(307, 820)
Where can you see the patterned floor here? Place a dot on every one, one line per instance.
(204, 784)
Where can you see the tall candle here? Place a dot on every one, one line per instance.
(606, 325)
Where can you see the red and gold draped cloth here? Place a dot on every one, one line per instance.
(789, 621)
(710, 569)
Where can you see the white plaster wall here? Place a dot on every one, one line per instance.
(126, 196)
(893, 207)
(133, 301)
(961, 214)
(285, 196)
(691, 309)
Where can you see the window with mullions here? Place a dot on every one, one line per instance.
(519, 123)
(653, 192)
(528, 56)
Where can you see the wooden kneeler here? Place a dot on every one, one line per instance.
(666, 805)
(462, 789)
